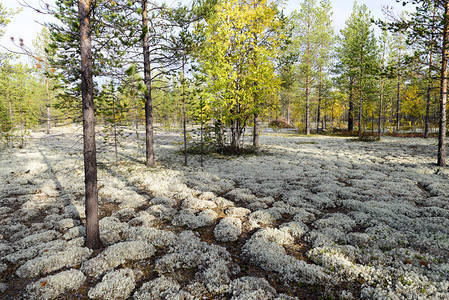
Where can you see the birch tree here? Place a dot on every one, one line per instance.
(236, 59)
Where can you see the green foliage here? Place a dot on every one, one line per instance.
(5, 125)
(112, 108)
(358, 61)
(22, 99)
(236, 60)
(313, 39)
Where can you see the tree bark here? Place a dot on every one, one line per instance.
(256, 131)
(442, 124)
(149, 142)
(351, 106)
(318, 117)
(115, 128)
(382, 82)
(361, 92)
(379, 124)
(184, 129)
(426, 127)
(307, 105)
(309, 69)
(398, 100)
(48, 106)
(136, 118)
(429, 82)
(90, 160)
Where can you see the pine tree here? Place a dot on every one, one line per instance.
(425, 25)
(357, 52)
(90, 159)
(306, 43)
(325, 46)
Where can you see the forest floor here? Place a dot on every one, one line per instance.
(305, 218)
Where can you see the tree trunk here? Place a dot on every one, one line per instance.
(361, 92)
(332, 119)
(115, 128)
(284, 107)
(90, 160)
(149, 142)
(256, 131)
(429, 82)
(443, 99)
(379, 125)
(235, 135)
(184, 130)
(351, 106)
(318, 113)
(426, 126)
(201, 141)
(48, 106)
(398, 100)
(307, 105)
(136, 118)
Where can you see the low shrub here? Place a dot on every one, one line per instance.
(279, 124)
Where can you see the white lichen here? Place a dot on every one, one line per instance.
(159, 288)
(228, 230)
(117, 254)
(49, 262)
(115, 285)
(51, 287)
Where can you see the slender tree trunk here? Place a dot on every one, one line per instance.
(48, 106)
(426, 126)
(332, 119)
(318, 113)
(351, 106)
(379, 125)
(382, 82)
(444, 61)
(90, 160)
(284, 107)
(233, 138)
(184, 110)
(256, 131)
(201, 141)
(136, 118)
(147, 79)
(398, 100)
(307, 105)
(115, 129)
(238, 133)
(308, 53)
(361, 93)
(360, 113)
(429, 82)
(22, 130)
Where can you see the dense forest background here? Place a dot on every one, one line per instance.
(233, 64)
(284, 70)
